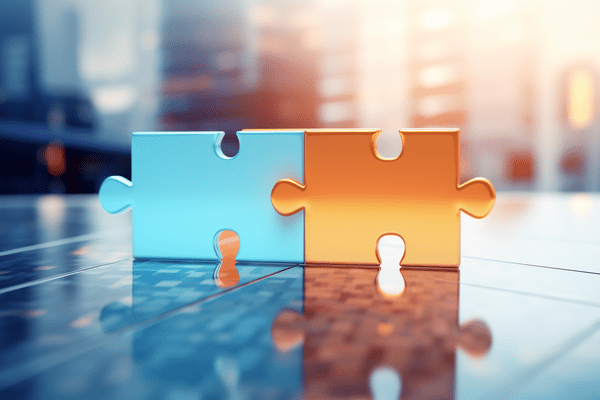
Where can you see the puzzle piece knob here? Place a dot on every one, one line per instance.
(287, 330)
(286, 196)
(477, 197)
(115, 194)
(475, 338)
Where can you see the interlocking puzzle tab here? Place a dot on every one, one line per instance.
(185, 191)
(352, 196)
(349, 332)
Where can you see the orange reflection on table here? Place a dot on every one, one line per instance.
(358, 343)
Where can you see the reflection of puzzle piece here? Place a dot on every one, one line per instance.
(220, 348)
(185, 191)
(385, 384)
(227, 369)
(350, 331)
(189, 279)
(226, 274)
(352, 197)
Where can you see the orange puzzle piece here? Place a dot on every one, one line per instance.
(352, 196)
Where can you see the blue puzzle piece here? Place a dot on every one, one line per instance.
(185, 191)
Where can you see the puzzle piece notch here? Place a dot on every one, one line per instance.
(350, 205)
(116, 194)
(390, 250)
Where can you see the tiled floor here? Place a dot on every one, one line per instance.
(80, 319)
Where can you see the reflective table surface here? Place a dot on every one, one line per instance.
(80, 319)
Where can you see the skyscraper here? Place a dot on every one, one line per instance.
(237, 65)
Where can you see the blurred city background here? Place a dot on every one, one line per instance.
(519, 78)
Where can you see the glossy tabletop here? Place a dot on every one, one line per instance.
(79, 318)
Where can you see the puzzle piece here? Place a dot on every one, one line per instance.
(350, 332)
(353, 196)
(185, 191)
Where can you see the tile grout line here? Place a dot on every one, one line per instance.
(32, 367)
(532, 265)
(51, 278)
(542, 296)
(167, 314)
(60, 242)
(558, 240)
(53, 360)
(567, 346)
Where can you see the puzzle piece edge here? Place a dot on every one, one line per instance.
(115, 194)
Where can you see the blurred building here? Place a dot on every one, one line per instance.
(502, 59)
(24, 92)
(339, 80)
(472, 67)
(438, 65)
(48, 124)
(207, 66)
(580, 149)
(288, 69)
(19, 81)
(520, 79)
(240, 65)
